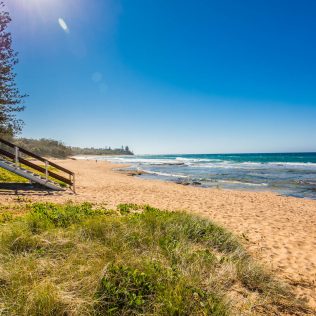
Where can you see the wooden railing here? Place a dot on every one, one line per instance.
(18, 159)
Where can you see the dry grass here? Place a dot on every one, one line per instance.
(82, 260)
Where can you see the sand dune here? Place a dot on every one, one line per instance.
(280, 231)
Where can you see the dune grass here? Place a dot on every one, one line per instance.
(136, 260)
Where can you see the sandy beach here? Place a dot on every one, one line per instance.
(279, 231)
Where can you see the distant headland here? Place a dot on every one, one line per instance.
(57, 149)
(101, 151)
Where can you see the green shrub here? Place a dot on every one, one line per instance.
(43, 216)
(128, 208)
(124, 289)
(155, 290)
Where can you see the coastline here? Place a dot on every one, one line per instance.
(285, 174)
(278, 230)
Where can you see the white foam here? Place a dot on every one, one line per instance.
(256, 165)
(192, 160)
(166, 174)
(202, 162)
(293, 164)
(242, 182)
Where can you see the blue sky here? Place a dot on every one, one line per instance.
(167, 76)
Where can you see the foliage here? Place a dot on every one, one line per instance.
(10, 96)
(127, 208)
(53, 148)
(47, 215)
(101, 151)
(124, 288)
(82, 259)
(44, 147)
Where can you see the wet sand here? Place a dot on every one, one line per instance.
(279, 231)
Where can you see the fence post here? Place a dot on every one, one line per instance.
(73, 184)
(16, 156)
(46, 169)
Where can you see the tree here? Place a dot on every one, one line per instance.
(11, 99)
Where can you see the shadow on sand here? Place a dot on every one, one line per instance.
(27, 189)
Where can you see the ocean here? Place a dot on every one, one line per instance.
(290, 174)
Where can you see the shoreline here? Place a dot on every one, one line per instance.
(288, 177)
(278, 230)
(192, 183)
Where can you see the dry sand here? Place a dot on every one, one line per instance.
(280, 231)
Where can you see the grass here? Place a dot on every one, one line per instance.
(10, 177)
(75, 259)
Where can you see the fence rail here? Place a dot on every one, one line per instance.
(16, 157)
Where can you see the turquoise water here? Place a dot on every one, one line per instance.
(291, 174)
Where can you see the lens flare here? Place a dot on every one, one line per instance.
(63, 25)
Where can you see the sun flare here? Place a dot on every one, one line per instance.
(45, 10)
(39, 12)
(63, 25)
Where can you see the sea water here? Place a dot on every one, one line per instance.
(291, 174)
